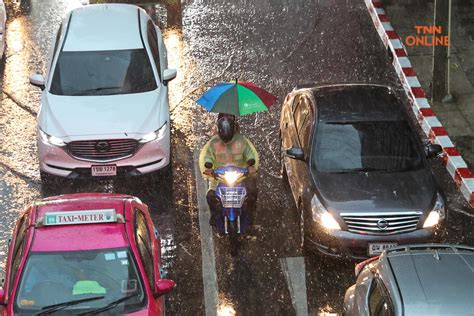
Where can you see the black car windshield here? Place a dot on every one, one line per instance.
(60, 277)
(103, 73)
(387, 146)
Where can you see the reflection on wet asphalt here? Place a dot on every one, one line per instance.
(275, 44)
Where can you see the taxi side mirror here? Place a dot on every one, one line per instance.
(2, 296)
(164, 286)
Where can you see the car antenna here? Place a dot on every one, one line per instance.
(436, 254)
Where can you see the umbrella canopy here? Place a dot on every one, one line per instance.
(238, 98)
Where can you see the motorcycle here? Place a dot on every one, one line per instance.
(232, 220)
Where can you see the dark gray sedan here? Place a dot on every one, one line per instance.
(414, 280)
(358, 170)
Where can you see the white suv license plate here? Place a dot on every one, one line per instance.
(377, 249)
(104, 170)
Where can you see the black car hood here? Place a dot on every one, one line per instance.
(376, 191)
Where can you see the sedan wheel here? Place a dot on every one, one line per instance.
(283, 174)
(301, 226)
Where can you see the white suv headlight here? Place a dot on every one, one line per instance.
(437, 214)
(49, 139)
(156, 135)
(322, 216)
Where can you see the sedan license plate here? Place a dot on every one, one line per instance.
(377, 249)
(104, 170)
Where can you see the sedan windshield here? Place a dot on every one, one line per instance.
(94, 278)
(103, 73)
(365, 146)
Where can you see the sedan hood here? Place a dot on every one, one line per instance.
(376, 191)
(125, 114)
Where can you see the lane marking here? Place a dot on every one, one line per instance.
(209, 276)
(295, 275)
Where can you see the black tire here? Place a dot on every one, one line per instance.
(283, 173)
(301, 228)
(49, 182)
(234, 239)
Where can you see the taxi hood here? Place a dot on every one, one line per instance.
(123, 114)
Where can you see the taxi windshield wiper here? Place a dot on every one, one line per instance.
(91, 91)
(110, 305)
(56, 307)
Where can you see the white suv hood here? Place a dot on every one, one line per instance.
(125, 114)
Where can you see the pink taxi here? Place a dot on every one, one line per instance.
(84, 254)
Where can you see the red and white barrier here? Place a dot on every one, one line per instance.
(430, 124)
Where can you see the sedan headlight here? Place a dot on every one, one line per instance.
(437, 214)
(322, 216)
(49, 139)
(156, 135)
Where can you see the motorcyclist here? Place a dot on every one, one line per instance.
(229, 147)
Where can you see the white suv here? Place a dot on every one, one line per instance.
(104, 106)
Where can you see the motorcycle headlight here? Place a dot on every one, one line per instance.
(49, 139)
(231, 176)
(156, 135)
(437, 214)
(321, 215)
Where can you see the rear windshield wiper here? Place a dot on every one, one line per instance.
(91, 91)
(110, 305)
(56, 307)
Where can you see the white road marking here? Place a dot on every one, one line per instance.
(295, 275)
(209, 276)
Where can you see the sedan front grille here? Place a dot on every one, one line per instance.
(103, 150)
(387, 223)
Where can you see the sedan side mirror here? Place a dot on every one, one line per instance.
(432, 150)
(164, 286)
(295, 153)
(2, 296)
(168, 75)
(37, 80)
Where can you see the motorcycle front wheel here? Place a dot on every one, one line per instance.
(234, 239)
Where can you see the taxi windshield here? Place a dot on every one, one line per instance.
(61, 277)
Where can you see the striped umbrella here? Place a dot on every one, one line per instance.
(238, 98)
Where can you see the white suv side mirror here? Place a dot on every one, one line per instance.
(37, 80)
(168, 75)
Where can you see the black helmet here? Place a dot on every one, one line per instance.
(225, 129)
(222, 115)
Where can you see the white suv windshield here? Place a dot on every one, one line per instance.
(103, 73)
(61, 277)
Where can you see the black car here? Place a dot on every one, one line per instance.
(358, 170)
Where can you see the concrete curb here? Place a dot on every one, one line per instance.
(428, 121)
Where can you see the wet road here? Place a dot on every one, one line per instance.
(275, 44)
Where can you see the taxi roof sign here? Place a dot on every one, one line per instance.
(80, 217)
